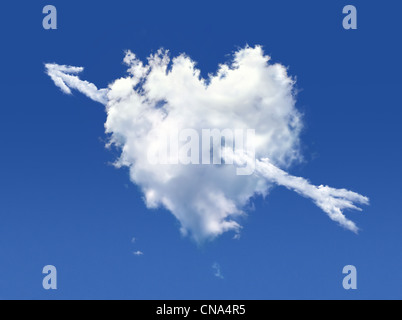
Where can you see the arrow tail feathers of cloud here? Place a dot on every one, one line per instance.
(330, 200)
(66, 78)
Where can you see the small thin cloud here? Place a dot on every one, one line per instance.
(133, 240)
(217, 270)
(237, 236)
(138, 253)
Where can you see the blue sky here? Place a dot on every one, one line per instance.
(62, 203)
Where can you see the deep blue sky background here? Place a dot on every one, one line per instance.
(61, 203)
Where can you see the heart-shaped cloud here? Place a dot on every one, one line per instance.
(165, 100)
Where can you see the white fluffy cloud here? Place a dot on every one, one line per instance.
(164, 95)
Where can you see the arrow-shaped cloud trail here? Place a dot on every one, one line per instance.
(65, 78)
(247, 93)
(330, 200)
